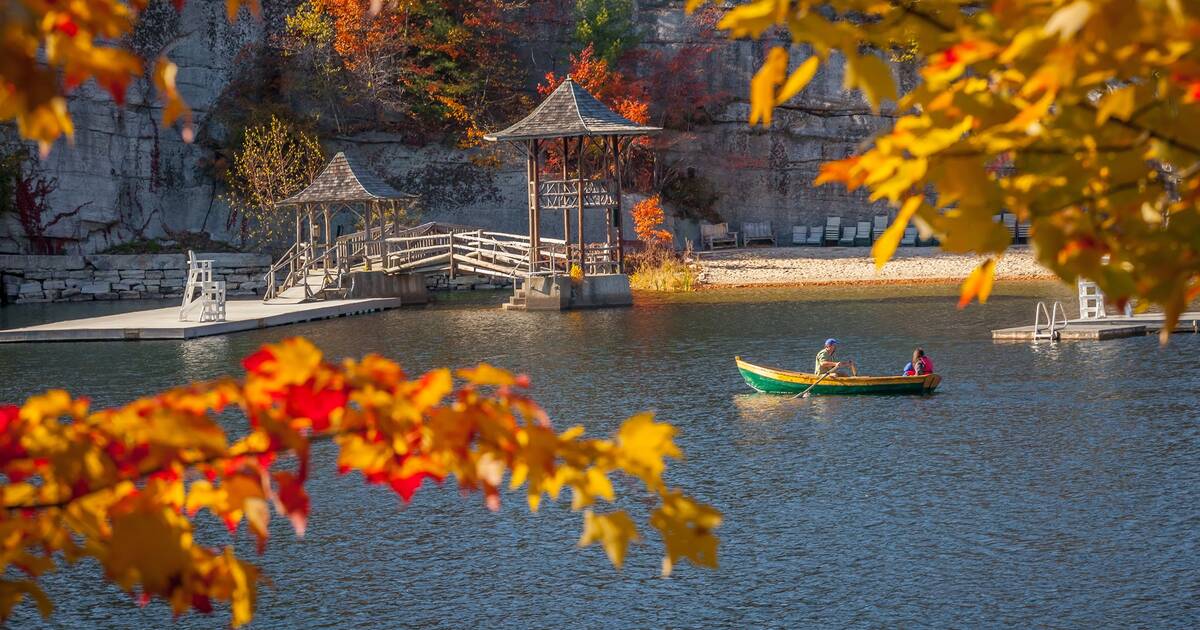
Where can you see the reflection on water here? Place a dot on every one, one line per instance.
(1044, 484)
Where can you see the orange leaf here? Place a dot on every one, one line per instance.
(174, 108)
(978, 284)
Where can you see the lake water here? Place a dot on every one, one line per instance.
(1050, 485)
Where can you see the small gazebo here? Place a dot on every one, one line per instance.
(590, 139)
(345, 186)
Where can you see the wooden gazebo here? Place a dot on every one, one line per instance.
(590, 139)
(319, 257)
(345, 186)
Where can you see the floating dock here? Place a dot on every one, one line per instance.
(163, 323)
(1107, 328)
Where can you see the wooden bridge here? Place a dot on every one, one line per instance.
(311, 271)
(571, 127)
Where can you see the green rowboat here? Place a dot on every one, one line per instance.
(772, 381)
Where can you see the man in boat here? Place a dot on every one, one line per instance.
(827, 363)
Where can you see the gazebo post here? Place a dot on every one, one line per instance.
(604, 170)
(299, 235)
(382, 221)
(582, 171)
(535, 204)
(312, 233)
(566, 212)
(328, 239)
(618, 216)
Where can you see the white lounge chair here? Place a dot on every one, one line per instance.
(909, 239)
(833, 229)
(848, 234)
(799, 234)
(815, 235)
(881, 223)
(862, 234)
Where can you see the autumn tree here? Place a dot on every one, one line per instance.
(440, 62)
(607, 26)
(676, 77)
(122, 486)
(648, 217)
(307, 41)
(1082, 117)
(275, 161)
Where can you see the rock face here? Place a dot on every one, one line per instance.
(126, 177)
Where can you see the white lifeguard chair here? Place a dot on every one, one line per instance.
(202, 293)
(1091, 301)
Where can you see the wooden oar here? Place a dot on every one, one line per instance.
(804, 394)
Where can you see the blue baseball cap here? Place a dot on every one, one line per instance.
(831, 342)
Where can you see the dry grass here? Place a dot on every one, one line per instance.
(665, 272)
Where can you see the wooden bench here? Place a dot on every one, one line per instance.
(757, 232)
(714, 236)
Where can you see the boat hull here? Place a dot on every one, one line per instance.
(773, 381)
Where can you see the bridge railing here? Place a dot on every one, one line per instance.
(433, 248)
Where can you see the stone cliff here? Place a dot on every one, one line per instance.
(126, 178)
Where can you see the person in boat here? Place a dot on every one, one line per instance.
(921, 364)
(827, 363)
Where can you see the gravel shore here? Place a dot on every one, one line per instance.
(843, 265)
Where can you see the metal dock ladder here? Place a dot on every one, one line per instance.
(1053, 324)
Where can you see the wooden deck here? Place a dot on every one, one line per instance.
(163, 323)
(1108, 328)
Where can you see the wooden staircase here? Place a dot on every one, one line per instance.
(314, 286)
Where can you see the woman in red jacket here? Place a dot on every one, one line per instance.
(919, 365)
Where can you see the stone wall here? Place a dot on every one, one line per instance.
(104, 277)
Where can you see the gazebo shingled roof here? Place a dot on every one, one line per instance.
(571, 111)
(343, 181)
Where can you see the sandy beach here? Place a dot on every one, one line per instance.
(843, 265)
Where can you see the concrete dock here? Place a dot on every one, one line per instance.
(163, 323)
(1108, 328)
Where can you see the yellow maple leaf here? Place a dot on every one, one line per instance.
(614, 531)
(642, 444)
(686, 527)
(799, 78)
(885, 245)
(762, 85)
